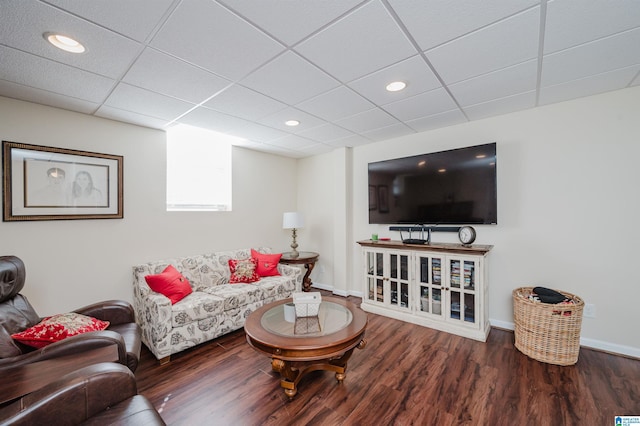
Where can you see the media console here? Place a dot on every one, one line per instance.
(438, 285)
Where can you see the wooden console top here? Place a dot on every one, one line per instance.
(448, 247)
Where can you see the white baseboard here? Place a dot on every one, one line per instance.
(342, 293)
(587, 343)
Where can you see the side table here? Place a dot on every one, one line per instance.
(306, 258)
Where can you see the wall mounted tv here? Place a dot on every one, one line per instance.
(452, 187)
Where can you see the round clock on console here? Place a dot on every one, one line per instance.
(467, 235)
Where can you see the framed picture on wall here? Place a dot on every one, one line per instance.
(373, 198)
(46, 183)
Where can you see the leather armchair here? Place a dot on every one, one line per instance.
(101, 394)
(17, 314)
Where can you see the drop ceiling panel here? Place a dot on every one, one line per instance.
(445, 119)
(316, 149)
(505, 82)
(141, 101)
(350, 141)
(325, 132)
(435, 22)
(414, 72)
(240, 66)
(107, 53)
(335, 104)
(207, 119)
(29, 70)
(38, 96)
(214, 120)
(570, 23)
(600, 56)
(366, 121)
(208, 35)
(389, 132)
(161, 73)
(130, 117)
(292, 142)
(497, 46)
(277, 120)
(501, 106)
(136, 19)
(364, 41)
(605, 82)
(290, 21)
(244, 103)
(248, 130)
(290, 79)
(422, 105)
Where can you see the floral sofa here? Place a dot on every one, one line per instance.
(215, 306)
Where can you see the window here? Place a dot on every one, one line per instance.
(198, 169)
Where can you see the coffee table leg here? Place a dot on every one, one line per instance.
(290, 375)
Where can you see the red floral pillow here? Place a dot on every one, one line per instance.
(58, 327)
(171, 283)
(243, 271)
(267, 263)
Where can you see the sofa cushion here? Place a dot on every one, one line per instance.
(58, 327)
(171, 283)
(277, 286)
(195, 307)
(243, 271)
(237, 295)
(267, 265)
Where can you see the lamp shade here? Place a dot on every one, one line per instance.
(292, 220)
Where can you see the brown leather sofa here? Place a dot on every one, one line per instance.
(101, 394)
(17, 314)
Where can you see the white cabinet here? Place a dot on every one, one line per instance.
(442, 286)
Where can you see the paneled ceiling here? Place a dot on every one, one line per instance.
(244, 67)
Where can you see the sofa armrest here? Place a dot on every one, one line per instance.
(291, 271)
(73, 398)
(152, 311)
(114, 311)
(73, 345)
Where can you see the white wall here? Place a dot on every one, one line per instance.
(568, 199)
(324, 196)
(73, 263)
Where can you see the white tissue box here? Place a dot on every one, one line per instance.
(307, 304)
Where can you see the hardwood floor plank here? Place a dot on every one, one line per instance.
(406, 375)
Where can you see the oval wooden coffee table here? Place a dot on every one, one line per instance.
(322, 342)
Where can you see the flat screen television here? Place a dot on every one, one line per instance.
(454, 187)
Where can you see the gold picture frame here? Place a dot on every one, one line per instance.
(47, 183)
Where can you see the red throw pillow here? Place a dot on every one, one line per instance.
(243, 271)
(58, 327)
(171, 283)
(267, 263)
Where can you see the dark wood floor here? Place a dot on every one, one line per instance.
(406, 375)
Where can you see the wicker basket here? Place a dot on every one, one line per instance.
(547, 332)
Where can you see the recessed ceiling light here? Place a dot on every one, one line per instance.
(422, 163)
(65, 43)
(481, 156)
(292, 123)
(442, 170)
(396, 86)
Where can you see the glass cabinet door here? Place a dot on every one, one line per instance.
(462, 298)
(429, 280)
(374, 263)
(399, 279)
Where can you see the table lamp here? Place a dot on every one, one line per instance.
(294, 221)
